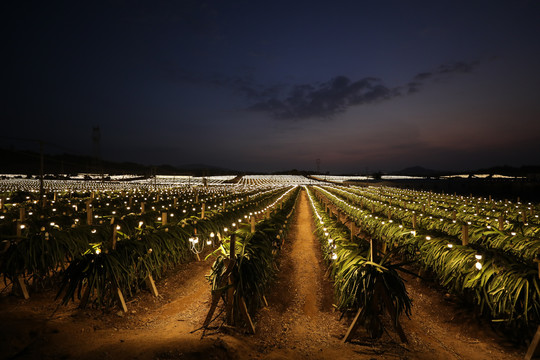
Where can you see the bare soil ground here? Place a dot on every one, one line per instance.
(299, 322)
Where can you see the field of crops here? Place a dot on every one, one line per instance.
(482, 250)
(99, 243)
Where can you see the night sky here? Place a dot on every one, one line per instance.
(275, 85)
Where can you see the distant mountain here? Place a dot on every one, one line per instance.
(200, 167)
(499, 170)
(419, 171)
(28, 163)
(526, 170)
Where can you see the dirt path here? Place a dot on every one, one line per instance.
(299, 319)
(299, 322)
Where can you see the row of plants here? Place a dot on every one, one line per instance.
(474, 210)
(61, 234)
(521, 243)
(253, 266)
(103, 270)
(67, 211)
(365, 279)
(144, 245)
(505, 290)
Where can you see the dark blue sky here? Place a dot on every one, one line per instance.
(265, 86)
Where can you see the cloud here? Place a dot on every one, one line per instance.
(326, 99)
(307, 101)
(459, 67)
(413, 87)
(442, 71)
(423, 76)
(321, 100)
